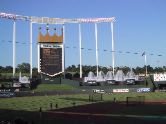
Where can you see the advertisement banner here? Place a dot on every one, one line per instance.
(51, 45)
(120, 90)
(141, 90)
(159, 77)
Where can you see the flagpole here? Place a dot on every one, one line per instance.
(145, 65)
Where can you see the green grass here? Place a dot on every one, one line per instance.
(152, 96)
(63, 101)
(53, 87)
(34, 103)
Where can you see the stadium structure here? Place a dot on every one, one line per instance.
(51, 51)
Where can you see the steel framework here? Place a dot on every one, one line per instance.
(47, 20)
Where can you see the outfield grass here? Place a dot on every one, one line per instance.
(35, 102)
(53, 87)
(151, 96)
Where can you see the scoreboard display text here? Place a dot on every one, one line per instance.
(51, 60)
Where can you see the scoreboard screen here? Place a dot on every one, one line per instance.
(51, 60)
(159, 77)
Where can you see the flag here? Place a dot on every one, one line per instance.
(143, 53)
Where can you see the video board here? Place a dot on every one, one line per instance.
(51, 60)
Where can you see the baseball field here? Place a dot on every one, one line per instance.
(77, 108)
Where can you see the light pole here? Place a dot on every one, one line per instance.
(145, 63)
(14, 48)
(30, 50)
(97, 57)
(113, 50)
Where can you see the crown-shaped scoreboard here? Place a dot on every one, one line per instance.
(50, 50)
(47, 38)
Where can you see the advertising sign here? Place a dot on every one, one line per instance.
(51, 45)
(140, 90)
(159, 77)
(24, 80)
(120, 90)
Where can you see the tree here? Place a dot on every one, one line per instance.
(105, 70)
(139, 70)
(150, 69)
(35, 72)
(158, 70)
(164, 68)
(68, 76)
(86, 70)
(76, 75)
(125, 69)
(24, 67)
(8, 69)
(71, 68)
(2, 69)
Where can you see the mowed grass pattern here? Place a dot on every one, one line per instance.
(151, 96)
(52, 87)
(35, 102)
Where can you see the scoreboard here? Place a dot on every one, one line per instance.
(50, 53)
(50, 59)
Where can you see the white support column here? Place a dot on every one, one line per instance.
(145, 65)
(30, 50)
(14, 48)
(80, 43)
(97, 59)
(38, 57)
(63, 51)
(113, 51)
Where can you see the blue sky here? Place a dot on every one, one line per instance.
(140, 26)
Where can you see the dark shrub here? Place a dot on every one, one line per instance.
(76, 75)
(68, 76)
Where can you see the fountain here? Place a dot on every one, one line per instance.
(91, 79)
(131, 77)
(119, 77)
(101, 77)
(109, 78)
(109, 75)
(130, 74)
(91, 75)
